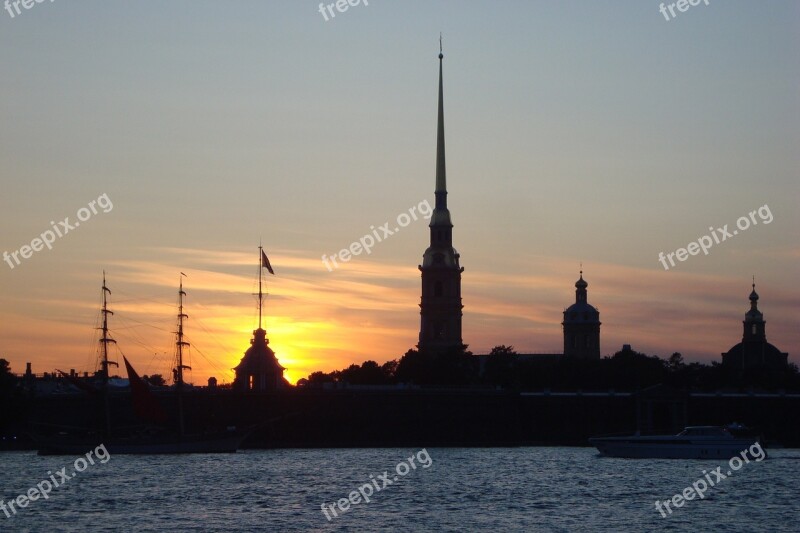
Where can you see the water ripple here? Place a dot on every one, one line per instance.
(516, 489)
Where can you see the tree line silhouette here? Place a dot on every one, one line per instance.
(626, 370)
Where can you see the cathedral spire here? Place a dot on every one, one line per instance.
(440, 305)
(441, 173)
(441, 215)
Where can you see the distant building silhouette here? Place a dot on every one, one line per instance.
(259, 370)
(754, 350)
(581, 325)
(440, 307)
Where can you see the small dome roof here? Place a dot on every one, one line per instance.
(581, 312)
(755, 349)
(580, 307)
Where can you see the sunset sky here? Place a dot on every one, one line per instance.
(577, 131)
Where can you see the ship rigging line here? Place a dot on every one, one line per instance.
(210, 362)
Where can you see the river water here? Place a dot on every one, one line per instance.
(441, 489)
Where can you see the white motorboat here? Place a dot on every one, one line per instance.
(694, 442)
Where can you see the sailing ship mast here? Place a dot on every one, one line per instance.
(105, 339)
(179, 366)
(104, 362)
(146, 408)
(179, 342)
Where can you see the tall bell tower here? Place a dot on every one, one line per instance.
(440, 307)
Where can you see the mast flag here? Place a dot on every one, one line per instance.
(265, 263)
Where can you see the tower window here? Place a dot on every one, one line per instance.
(754, 329)
(437, 289)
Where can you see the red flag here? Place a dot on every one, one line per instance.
(265, 263)
(145, 404)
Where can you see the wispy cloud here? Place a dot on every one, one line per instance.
(318, 320)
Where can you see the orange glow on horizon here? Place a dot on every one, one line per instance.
(317, 321)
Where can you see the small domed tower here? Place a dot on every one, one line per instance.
(754, 323)
(581, 326)
(259, 369)
(754, 350)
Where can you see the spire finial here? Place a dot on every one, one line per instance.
(754, 282)
(441, 55)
